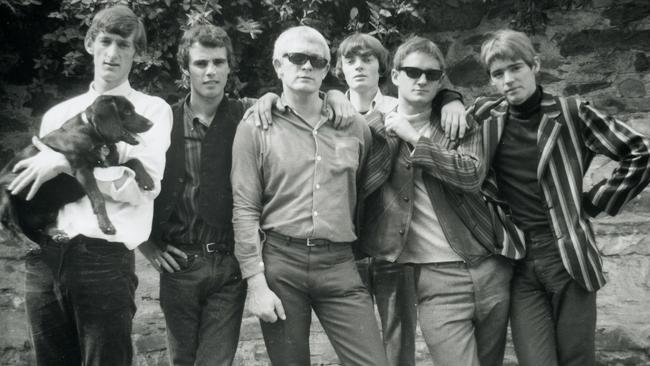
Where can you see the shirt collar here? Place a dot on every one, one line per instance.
(326, 111)
(190, 116)
(123, 89)
(377, 100)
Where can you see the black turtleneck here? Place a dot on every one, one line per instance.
(515, 164)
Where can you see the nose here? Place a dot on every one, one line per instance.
(111, 50)
(211, 69)
(508, 77)
(357, 64)
(307, 65)
(422, 79)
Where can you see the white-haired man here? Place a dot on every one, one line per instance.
(297, 184)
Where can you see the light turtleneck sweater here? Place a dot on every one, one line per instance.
(426, 242)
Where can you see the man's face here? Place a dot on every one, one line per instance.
(208, 70)
(418, 91)
(514, 79)
(361, 71)
(305, 77)
(113, 57)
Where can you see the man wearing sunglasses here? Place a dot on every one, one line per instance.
(428, 213)
(361, 62)
(295, 187)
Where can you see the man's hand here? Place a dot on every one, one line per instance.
(400, 126)
(162, 260)
(344, 112)
(261, 110)
(38, 169)
(452, 120)
(262, 302)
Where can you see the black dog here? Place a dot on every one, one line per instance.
(87, 140)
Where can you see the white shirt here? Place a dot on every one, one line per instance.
(129, 208)
(382, 103)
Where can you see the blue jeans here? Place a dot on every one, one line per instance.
(203, 306)
(80, 304)
(553, 319)
(323, 278)
(393, 288)
(463, 311)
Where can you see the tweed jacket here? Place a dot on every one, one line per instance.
(451, 170)
(571, 132)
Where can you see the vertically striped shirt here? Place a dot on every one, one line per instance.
(571, 132)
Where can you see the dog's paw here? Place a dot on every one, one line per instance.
(144, 181)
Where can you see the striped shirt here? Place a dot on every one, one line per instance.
(185, 225)
(571, 132)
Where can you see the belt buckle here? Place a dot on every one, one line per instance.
(208, 248)
(309, 243)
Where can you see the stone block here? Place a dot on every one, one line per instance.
(641, 62)
(585, 88)
(467, 72)
(450, 15)
(588, 40)
(632, 88)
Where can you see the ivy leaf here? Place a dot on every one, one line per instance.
(354, 13)
(385, 13)
(251, 27)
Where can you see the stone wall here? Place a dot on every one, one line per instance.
(601, 52)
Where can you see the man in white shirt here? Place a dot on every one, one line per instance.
(80, 292)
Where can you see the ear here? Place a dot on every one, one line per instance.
(393, 77)
(537, 64)
(106, 118)
(88, 44)
(277, 66)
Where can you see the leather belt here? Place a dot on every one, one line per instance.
(205, 248)
(308, 242)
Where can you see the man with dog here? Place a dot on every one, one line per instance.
(537, 149)
(427, 213)
(295, 189)
(79, 290)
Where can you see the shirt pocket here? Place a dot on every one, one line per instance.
(346, 153)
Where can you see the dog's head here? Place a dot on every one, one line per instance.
(115, 119)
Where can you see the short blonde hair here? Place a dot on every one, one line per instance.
(301, 32)
(507, 44)
(418, 44)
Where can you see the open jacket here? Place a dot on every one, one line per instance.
(570, 133)
(452, 172)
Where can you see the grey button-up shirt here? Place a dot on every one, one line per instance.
(295, 179)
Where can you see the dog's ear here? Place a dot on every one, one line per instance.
(106, 118)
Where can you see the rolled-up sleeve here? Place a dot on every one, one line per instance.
(247, 189)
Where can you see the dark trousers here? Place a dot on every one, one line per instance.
(203, 306)
(323, 278)
(393, 288)
(79, 298)
(464, 311)
(553, 319)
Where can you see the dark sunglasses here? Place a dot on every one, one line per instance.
(415, 73)
(298, 58)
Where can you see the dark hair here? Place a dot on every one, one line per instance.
(119, 20)
(207, 35)
(357, 44)
(418, 44)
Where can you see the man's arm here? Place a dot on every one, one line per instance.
(247, 188)
(608, 136)
(118, 183)
(459, 163)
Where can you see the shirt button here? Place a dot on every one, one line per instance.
(315, 132)
(401, 231)
(408, 166)
(317, 186)
(406, 199)
(315, 213)
(317, 157)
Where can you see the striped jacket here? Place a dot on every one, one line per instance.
(571, 132)
(450, 169)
